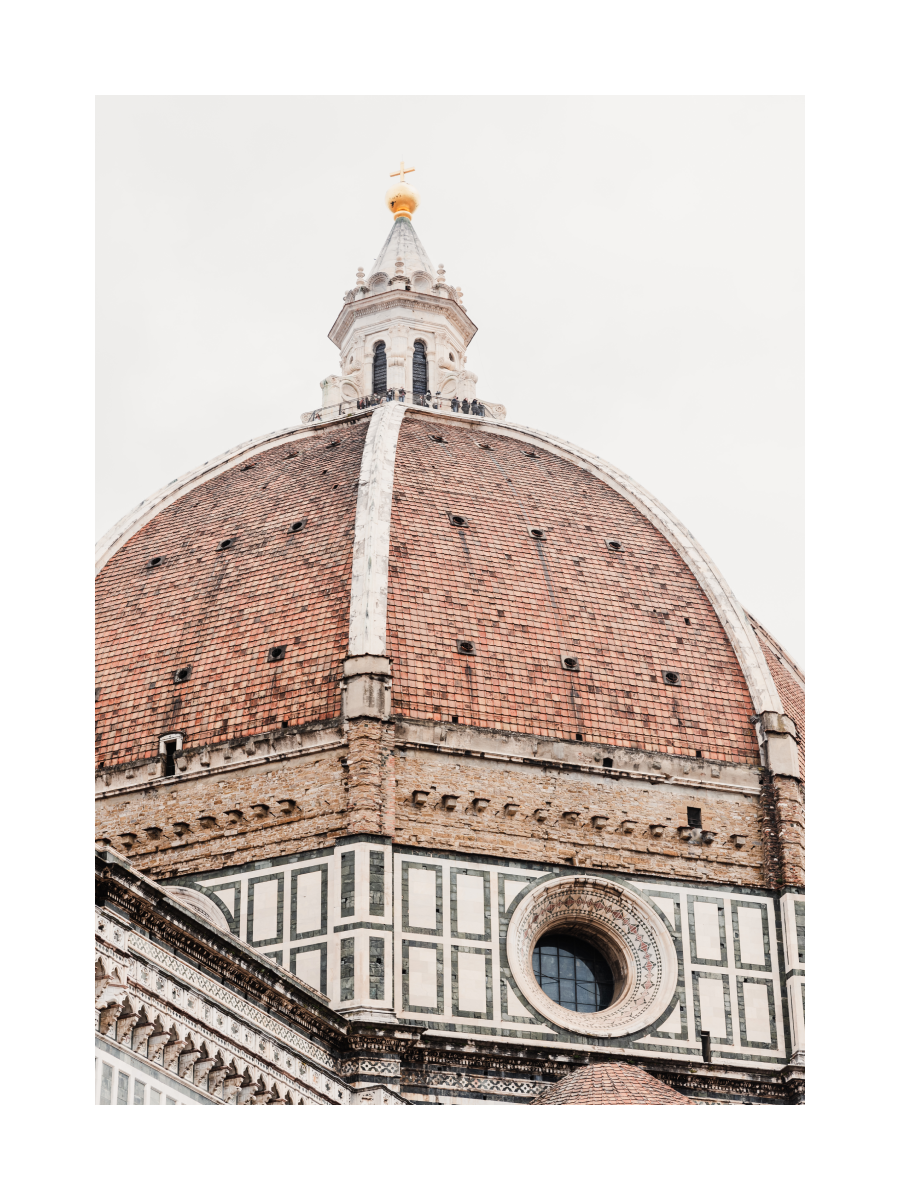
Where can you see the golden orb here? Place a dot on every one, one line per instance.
(402, 200)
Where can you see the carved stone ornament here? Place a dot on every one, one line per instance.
(200, 904)
(622, 926)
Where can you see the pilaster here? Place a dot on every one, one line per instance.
(370, 780)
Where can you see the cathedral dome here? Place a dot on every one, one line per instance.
(451, 745)
(407, 553)
(509, 581)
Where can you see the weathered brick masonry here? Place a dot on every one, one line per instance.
(524, 602)
(220, 612)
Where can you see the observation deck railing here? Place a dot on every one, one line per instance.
(437, 402)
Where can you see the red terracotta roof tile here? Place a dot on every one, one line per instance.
(523, 602)
(220, 612)
(610, 1083)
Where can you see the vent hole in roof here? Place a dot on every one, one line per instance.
(155, 561)
(614, 543)
(579, 737)
(569, 662)
(699, 753)
(607, 762)
(277, 653)
(226, 544)
(455, 720)
(529, 454)
(464, 646)
(672, 678)
(298, 525)
(331, 445)
(538, 534)
(436, 437)
(182, 674)
(687, 620)
(457, 520)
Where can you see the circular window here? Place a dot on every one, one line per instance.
(591, 955)
(573, 973)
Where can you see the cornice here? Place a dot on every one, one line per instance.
(229, 959)
(385, 301)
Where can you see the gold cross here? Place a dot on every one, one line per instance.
(403, 172)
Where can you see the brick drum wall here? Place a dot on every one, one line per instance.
(523, 602)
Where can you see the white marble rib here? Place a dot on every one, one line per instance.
(372, 536)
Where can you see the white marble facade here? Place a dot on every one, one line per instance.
(438, 925)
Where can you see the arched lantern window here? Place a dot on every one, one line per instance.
(420, 370)
(379, 370)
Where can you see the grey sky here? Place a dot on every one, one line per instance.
(634, 266)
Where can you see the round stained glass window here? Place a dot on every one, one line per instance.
(573, 973)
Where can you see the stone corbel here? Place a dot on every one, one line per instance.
(109, 1016)
(186, 1061)
(172, 1048)
(125, 1024)
(202, 1067)
(157, 1040)
(777, 736)
(109, 990)
(216, 1075)
(231, 1083)
(140, 1033)
(366, 687)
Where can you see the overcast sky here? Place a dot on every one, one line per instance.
(634, 266)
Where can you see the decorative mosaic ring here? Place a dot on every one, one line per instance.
(630, 935)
